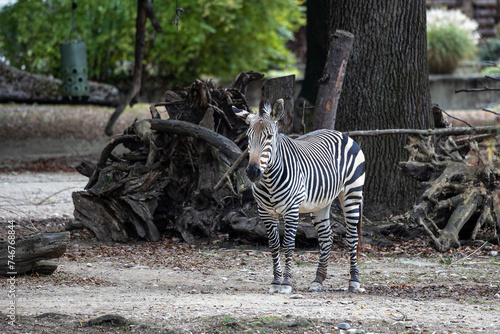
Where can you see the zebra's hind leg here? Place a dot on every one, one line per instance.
(352, 204)
(321, 221)
(271, 224)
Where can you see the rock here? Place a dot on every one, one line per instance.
(140, 267)
(296, 296)
(21, 86)
(494, 253)
(89, 265)
(497, 295)
(343, 325)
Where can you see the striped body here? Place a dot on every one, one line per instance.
(309, 171)
(304, 175)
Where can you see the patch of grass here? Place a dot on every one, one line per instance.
(445, 260)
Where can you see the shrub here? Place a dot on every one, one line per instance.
(451, 37)
(490, 50)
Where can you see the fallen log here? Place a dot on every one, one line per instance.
(30, 254)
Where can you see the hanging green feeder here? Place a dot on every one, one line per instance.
(75, 85)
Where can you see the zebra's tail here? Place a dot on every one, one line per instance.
(360, 233)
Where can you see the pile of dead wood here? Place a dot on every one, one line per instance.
(460, 175)
(184, 172)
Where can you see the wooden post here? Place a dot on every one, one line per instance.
(330, 85)
(282, 88)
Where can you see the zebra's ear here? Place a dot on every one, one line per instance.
(278, 110)
(243, 114)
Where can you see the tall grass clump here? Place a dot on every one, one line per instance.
(451, 38)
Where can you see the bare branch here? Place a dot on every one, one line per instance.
(428, 132)
(491, 111)
(231, 170)
(475, 90)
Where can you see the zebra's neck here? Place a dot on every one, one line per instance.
(275, 165)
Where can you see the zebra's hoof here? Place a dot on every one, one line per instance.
(274, 288)
(354, 286)
(286, 289)
(316, 287)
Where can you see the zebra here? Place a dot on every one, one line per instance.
(303, 175)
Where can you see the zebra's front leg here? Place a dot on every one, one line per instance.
(321, 221)
(291, 222)
(272, 227)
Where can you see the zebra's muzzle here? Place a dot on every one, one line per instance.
(254, 173)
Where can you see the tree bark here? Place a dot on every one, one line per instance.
(330, 84)
(317, 48)
(282, 88)
(386, 86)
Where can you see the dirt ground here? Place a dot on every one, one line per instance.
(172, 287)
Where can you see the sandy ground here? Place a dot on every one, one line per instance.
(25, 196)
(403, 295)
(200, 289)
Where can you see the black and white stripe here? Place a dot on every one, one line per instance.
(303, 175)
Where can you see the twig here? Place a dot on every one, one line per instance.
(402, 318)
(477, 138)
(468, 256)
(455, 118)
(491, 111)
(474, 90)
(223, 115)
(52, 195)
(231, 170)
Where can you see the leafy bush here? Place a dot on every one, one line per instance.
(490, 50)
(216, 38)
(451, 37)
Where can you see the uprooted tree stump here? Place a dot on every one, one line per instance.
(183, 174)
(461, 182)
(166, 180)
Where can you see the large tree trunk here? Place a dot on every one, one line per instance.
(317, 49)
(386, 86)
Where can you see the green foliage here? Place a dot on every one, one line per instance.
(216, 38)
(490, 50)
(446, 46)
(491, 71)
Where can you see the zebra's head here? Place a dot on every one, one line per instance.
(262, 132)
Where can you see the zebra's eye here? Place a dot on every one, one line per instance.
(269, 137)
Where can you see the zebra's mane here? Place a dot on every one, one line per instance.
(264, 107)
